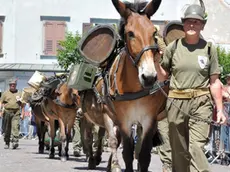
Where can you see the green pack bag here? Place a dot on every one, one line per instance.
(82, 76)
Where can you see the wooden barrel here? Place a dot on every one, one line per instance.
(172, 31)
(98, 44)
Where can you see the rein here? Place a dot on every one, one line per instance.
(140, 94)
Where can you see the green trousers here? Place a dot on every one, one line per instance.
(76, 142)
(164, 150)
(12, 126)
(188, 136)
(78, 137)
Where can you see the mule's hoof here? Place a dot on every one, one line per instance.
(92, 164)
(51, 156)
(116, 168)
(63, 159)
(98, 160)
(41, 151)
(86, 158)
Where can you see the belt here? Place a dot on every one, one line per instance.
(11, 110)
(188, 93)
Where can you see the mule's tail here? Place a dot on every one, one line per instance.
(157, 139)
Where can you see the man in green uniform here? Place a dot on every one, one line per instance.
(76, 142)
(194, 71)
(164, 150)
(12, 105)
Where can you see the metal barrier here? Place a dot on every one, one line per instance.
(218, 149)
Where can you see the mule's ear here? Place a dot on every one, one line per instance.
(121, 8)
(152, 7)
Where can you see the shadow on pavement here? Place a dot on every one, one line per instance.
(86, 168)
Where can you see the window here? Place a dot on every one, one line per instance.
(54, 31)
(1, 35)
(86, 27)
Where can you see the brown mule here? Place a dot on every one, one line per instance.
(60, 106)
(41, 124)
(133, 100)
(97, 113)
(41, 121)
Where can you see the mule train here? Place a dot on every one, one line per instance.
(125, 92)
(51, 101)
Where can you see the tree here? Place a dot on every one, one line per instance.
(224, 60)
(68, 53)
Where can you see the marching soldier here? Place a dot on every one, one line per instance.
(12, 106)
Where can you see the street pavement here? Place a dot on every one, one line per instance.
(26, 159)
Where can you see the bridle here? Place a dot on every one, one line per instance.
(135, 60)
(58, 101)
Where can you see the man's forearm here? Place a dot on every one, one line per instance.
(216, 91)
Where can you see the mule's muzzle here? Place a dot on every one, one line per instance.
(148, 81)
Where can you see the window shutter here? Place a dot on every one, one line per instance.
(60, 28)
(86, 27)
(1, 35)
(49, 47)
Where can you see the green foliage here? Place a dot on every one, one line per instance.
(69, 54)
(224, 60)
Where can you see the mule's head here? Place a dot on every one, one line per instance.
(67, 95)
(139, 35)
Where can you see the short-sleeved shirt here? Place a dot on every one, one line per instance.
(191, 66)
(9, 99)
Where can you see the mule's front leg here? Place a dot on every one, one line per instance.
(43, 130)
(63, 140)
(52, 136)
(128, 150)
(40, 139)
(145, 153)
(87, 129)
(114, 140)
(98, 152)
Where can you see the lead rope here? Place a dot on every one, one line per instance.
(198, 119)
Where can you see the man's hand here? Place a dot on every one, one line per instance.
(158, 56)
(221, 118)
(22, 114)
(22, 117)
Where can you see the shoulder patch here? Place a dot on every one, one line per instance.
(202, 61)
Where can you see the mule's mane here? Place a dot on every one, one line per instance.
(134, 7)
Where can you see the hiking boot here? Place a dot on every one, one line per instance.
(14, 145)
(7, 145)
(77, 153)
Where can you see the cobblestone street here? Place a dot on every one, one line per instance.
(26, 159)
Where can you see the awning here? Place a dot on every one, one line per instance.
(30, 67)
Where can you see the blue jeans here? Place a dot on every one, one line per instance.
(24, 129)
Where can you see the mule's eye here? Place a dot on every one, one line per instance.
(130, 35)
